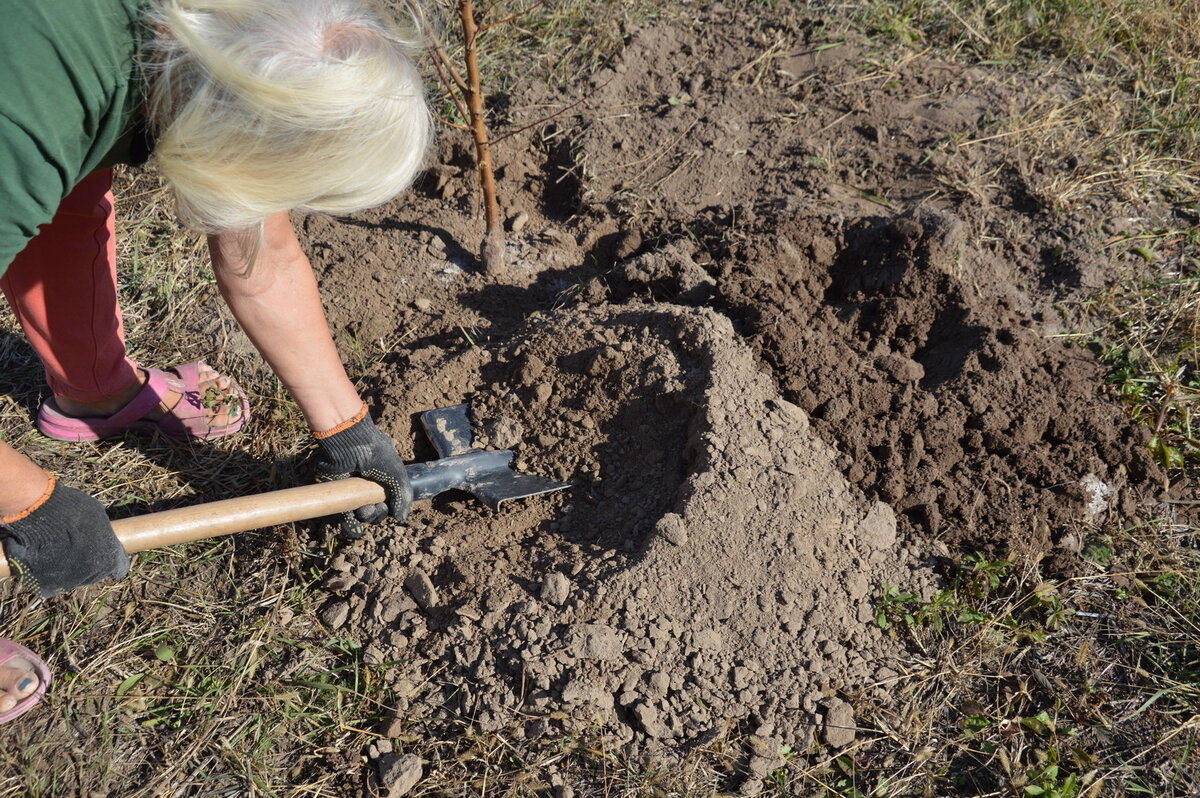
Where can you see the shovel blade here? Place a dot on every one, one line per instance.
(512, 485)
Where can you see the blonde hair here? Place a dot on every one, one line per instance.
(260, 106)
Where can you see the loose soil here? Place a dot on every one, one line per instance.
(786, 347)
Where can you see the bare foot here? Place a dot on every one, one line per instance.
(217, 394)
(18, 679)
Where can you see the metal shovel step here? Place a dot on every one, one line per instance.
(486, 475)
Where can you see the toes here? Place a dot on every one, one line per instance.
(17, 680)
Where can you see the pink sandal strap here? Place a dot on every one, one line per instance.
(188, 420)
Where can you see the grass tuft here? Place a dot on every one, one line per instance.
(1149, 337)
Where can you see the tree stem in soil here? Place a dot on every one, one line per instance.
(492, 250)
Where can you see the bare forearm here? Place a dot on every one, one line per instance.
(279, 308)
(22, 482)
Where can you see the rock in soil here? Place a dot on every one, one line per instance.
(838, 728)
(334, 614)
(555, 588)
(399, 774)
(422, 589)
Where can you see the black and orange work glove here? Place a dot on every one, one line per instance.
(62, 542)
(356, 448)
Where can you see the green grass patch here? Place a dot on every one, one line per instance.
(1152, 47)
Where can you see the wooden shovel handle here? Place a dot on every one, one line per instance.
(214, 519)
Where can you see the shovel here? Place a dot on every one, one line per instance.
(486, 475)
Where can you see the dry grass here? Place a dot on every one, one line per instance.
(182, 678)
(1149, 49)
(1149, 329)
(1019, 685)
(207, 673)
(1104, 102)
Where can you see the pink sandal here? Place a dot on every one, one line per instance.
(8, 650)
(188, 420)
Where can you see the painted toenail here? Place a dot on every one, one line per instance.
(24, 684)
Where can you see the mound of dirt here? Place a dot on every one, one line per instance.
(945, 401)
(773, 392)
(710, 565)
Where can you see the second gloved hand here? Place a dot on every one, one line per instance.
(359, 449)
(62, 542)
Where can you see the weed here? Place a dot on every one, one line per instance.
(1048, 781)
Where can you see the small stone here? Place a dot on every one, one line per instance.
(760, 766)
(422, 589)
(395, 725)
(857, 586)
(339, 582)
(900, 368)
(580, 692)
(555, 588)
(504, 432)
(838, 729)
(878, 528)
(542, 393)
(887, 676)
(390, 609)
(334, 614)
(532, 369)
(671, 527)
(469, 614)
(517, 223)
(648, 718)
(399, 773)
(595, 641)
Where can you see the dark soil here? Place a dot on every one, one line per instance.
(944, 400)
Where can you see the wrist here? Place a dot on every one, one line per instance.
(325, 433)
(22, 481)
(31, 495)
(326, 409)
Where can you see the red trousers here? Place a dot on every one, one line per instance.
(63, 289)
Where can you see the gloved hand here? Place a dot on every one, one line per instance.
(361, 450)
(62, 542)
